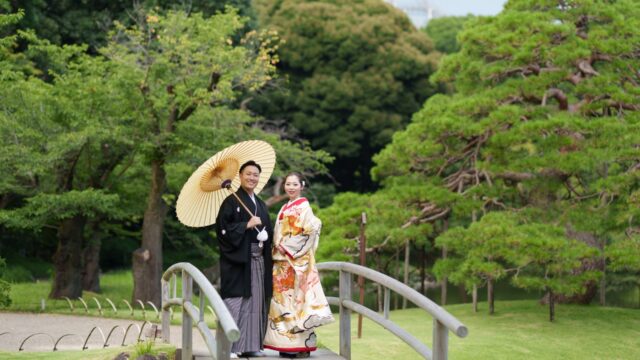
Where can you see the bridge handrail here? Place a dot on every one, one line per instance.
(443, 320)
(227, 330)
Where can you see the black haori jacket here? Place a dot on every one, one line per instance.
(234, 242)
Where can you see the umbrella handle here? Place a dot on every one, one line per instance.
(243, 205)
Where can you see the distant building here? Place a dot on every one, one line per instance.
(419, 11)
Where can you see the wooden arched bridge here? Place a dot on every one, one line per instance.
(218, 346)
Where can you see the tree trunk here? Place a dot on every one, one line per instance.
(603, 289)
(474, 297)
(603, 280)
(5, 200)
(396, 297)
(423, 275)
(380, 290)
(474, 293)
(443, 285)
(91, 273)
(490, 296)
(591, 287)
(407, 254)
(147, 260)
(552, 306)
(67, 260)
(464, 296)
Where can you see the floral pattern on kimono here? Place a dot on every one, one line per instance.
(298, 304)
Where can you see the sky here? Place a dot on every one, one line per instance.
(418, 10)
(464, 7)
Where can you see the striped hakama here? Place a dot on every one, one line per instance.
(250, 313)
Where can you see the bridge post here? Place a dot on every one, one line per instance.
(440, 340)
(345, 315)
(223, 345)
(166, 320)
(187, 323)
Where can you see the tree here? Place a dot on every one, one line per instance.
(354, 73)
(624, 258)
(82, 22)
(5, 288)
(184, 66)
(444, 32)
(544, 119)
(549, 261)
(77, 163)
(480, 254)
(60, 158)
(392, 225)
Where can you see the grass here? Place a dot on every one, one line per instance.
(116, 286)
(95, 354)
(518, 330)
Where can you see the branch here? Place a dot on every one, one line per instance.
(435, 217)
(66, 182)
(559, 95)
(214, 79)
(274, 199)
(586, 68)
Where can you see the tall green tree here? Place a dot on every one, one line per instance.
(64, 139)
(479, 255)
(83, 142)
(88, 22)
(354, 72)
(543, 123)
(444, 32)
(538, 256)
(184, 66)
(551, 262)
(544, 118)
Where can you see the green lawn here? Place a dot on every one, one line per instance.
(116, 286)
(518, 330)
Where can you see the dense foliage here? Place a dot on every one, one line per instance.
(354, 73)
(88, 22)
(5, 288)
(543, 127)
(96, 142)
(444, 32)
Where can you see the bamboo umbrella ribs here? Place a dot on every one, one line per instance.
(201, 196)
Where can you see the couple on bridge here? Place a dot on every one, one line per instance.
(269, 280)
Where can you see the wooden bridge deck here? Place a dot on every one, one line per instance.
(321, 354)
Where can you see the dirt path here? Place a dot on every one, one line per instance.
(15, 327)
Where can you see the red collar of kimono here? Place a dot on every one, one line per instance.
(289, 206)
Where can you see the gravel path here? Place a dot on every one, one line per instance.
(15, 327)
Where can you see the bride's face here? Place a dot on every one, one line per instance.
(292, 187)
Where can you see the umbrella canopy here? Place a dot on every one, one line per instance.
(202, 195)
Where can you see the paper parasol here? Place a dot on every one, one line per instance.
(201, 196)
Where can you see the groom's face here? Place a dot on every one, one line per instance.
(249, 177)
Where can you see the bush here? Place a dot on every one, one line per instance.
(5, 288)
(16, 274)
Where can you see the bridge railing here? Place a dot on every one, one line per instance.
(226, 329)
(443, 322)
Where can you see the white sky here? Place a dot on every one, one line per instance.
(464, 7)
(419, 11)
